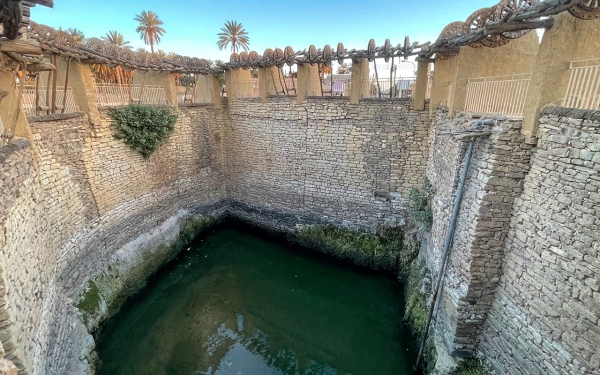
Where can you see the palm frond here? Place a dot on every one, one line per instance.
(233, 33)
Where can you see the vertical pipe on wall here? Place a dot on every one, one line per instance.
(449, 238)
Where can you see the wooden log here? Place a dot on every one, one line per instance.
(13, 125)
(64, 102)
(40, 67)
(23, 46)
(54, 85)
(38, 78)
(46, 3)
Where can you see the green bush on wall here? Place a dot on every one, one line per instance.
(143, 127)
(420, 207)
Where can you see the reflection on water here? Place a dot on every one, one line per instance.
(236, 303)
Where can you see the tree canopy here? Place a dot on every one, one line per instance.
(116, 38)
(150, 28)
(233, 33)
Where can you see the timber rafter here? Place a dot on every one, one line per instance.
(504, 22)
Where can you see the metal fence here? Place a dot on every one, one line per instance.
(44, 101)
(503, 95)
(583, 91)
(401, 88)
(185, 94)
(336, 88)
(110, 94)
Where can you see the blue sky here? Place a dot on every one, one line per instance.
(192, 25)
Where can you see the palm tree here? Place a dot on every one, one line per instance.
(149, 28)
(234, 34)
(344, 69)
(116, 38)
(77, 35)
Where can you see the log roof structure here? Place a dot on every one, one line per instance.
(488, 27)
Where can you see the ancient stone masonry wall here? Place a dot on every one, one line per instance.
(18, 172)
(498, 165)
(324, 161)
(72, 202)
(546, 315)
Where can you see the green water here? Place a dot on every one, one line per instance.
(240, 303)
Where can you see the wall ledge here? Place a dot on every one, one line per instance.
(107, 107)
(583, 114)
(342, 98)
(196, 104)
(387, 100)
(55, 117)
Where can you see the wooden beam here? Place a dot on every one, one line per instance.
(43, 67)
(25, 46)
(93, 61)
(46, 3)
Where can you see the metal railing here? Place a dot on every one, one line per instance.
(200, 93)
(402, 88)
(336, 88)
(110, 94)
(583, 91)
(504, 95)
(185, 94)
(44, 101)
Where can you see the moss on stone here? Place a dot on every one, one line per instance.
(473, 366)
(105, 294)
(417, 291)
(90, 302)
(420, 212)
(383, 250)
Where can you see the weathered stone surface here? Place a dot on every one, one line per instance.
(522, 279)
(324, 160)
(547, 300)
(498, 165)
(71, 203)
(80, 200)
(7, 368)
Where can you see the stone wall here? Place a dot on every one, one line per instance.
(79, 200)
(546, 315)
(499, 163)
(72, 202)
(521, 284)
(324, 160)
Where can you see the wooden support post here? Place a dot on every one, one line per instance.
(267, 84)
(54, 86)
(64, 102)
(309, 82)
(423, 73)
(359, 86)
(37, 94)
(84, 91)
(570, 39)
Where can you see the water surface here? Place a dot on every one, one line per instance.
(240, 303)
